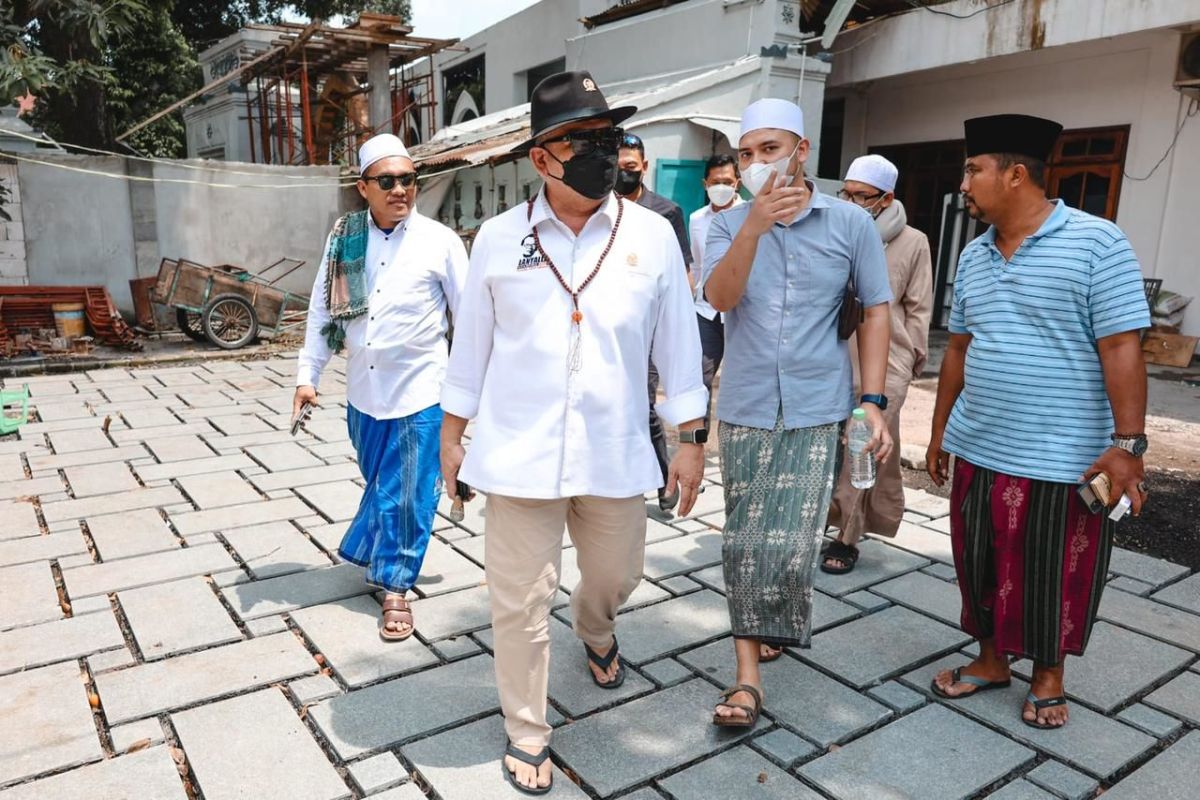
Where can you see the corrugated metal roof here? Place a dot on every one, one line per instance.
(492, 149)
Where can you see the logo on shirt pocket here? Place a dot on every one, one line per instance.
(530, 257)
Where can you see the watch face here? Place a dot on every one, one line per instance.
(1139, 445)
(700, 435)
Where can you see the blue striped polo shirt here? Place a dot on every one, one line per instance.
(1033, 403)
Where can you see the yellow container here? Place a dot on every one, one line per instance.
(69, 320)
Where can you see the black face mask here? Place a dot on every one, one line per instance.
(628, 180)
(593, 175)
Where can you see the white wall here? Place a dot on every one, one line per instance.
(1121, 81)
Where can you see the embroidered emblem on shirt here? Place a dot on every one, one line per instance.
(589, 85)
(530, 257)
(631, 259)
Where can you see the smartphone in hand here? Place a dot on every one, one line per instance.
(301, 417)
(463, 492)
(1095, 493)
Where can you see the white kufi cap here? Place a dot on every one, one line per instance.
(875, 171)
(771, 112)
(383, 145)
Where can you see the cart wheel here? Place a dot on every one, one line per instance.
(190, 324)
(229, 321)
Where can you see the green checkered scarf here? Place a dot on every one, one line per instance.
(346, 278)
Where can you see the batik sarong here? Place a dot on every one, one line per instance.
(401, 463)
(778, 485)
(1031, 562)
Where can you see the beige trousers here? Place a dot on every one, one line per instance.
(522, 560)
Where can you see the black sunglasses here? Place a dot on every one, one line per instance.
(588, 141)
(388, 182)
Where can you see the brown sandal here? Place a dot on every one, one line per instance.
(398, 606)
(751, 717)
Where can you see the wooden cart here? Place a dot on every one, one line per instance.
(227, 305)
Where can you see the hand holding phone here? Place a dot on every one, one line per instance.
(464, 493)
(301, 416)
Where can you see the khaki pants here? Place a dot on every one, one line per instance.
(522, 558)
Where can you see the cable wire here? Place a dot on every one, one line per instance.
(1193, 109)
(932, 10)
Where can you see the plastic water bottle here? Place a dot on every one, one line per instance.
(862, 462)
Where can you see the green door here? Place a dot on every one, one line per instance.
(681, 180)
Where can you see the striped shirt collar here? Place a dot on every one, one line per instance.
(1053, 223)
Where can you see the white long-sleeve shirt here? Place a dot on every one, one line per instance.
(396, 352)
(541, 429)
(698, 231)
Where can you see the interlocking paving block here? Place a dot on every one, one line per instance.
(465, 763)
(29, 595)
(29, 487)
(654, 631)
(1020, 790)
(104, 456)
(740, 772)
(316, 687)
(680, 584)
(132, 533)
(897, 696)
(110, 503)
(1171, 775)
(240, 516)
(42, 548)
(627, 745)
(347, 633)
(454, 614)
(20, 520)
(159, 686)
(111, 659)
(655, 532)
(169, 618)
(1091, 742)
(312, 587)
(196, 466)
(571, 683)
(795, 694)
(143, 732)
(867, 601)
(956, 758)
(1147, 569)
(131, 573)
(713, 577)
(456, 647)
(1063, 781)
(256, 746)
(925, 504)
(1144, 615)
(265, 626)
(274, 548)
(93, 479)
(445, 570)
(424, 702)
(35, 645)
(643, 794)
(184, 447)
(1185, 594)
(667, 672)
(880, 645)
(336, 501)
(682, 554)
(306, 476)
(78, 440)
(923, 542)
(942, 571)
(231, 424)
(877, 563)
(1131, 585)
(152, 417)
(283, 456)
(377, 773)
(217, 489)
(569, 576)
(144, 774)
(784, 746)
(327, 535)
(924, 593)
(47, 722)
(941, 524)
(1180, 697)
(1151, 721)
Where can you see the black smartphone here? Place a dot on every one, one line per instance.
(462, 490)
(1095, 493)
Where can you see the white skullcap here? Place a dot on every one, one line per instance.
(380, 146)
(874, 170)
(771, 112)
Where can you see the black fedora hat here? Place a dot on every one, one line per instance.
(568, 97)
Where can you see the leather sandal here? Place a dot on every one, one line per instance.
(400, 611)
(752, 712)
(604, 662)
(535, 761)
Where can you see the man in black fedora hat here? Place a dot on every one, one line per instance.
(1042, 387)
(566, 297)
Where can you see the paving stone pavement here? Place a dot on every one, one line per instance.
(171, 592)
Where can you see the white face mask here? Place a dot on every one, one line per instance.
(759, 175)
(720, 194)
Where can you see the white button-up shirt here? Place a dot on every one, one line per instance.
(698, 230)
(543, 430)
(396, 352)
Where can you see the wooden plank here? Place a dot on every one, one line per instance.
(1169, 349)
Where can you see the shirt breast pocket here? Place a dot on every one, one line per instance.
(827, 279)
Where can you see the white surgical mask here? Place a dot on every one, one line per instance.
(719, 194)
(758, 175)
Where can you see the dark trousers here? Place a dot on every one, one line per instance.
(712, 345)
(658, 437)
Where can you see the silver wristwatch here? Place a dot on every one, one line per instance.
(1134, 445)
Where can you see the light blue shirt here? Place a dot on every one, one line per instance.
(1033, 403)
(781, 343)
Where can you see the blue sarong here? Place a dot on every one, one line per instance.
(400, 461)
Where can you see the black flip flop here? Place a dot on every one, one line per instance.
(846, 553)
(1038, 705)
(526, 758)
(981, 684)
(603, 662)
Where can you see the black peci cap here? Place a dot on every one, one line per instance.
(1012, 133)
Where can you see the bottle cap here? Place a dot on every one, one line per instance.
(859, 413)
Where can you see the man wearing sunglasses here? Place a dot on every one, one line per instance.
(382, 293)
(567, 296)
